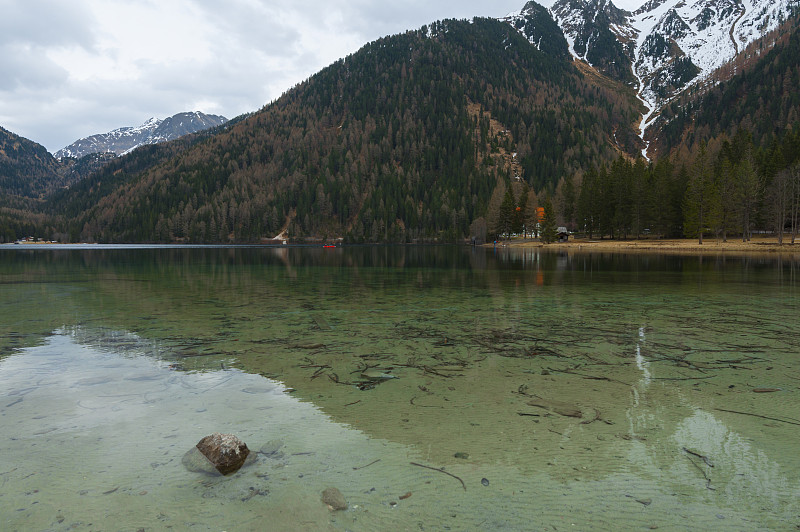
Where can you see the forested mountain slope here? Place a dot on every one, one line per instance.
(403, 140)
(26, 168)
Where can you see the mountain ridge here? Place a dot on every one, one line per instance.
(126, 139)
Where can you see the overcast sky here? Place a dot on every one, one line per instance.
(72, 69)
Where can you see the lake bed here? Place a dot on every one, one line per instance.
(529, 389)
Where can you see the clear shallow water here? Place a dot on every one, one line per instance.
(600, 391)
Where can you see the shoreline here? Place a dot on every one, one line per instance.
(760, 245)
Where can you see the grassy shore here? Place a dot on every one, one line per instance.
(709, 245)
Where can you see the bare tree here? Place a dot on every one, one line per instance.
(493, 221)
(794, 200)
(749, 186)
(779, 196)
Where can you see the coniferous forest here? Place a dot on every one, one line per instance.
(459, 129)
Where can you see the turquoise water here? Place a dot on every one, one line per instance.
(532, 389)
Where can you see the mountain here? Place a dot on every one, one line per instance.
(595, 30)
(125, 139)
(665, 46)
(406, 139)
(420, 136)
(26, 168)
(761, 99)
(680, 43)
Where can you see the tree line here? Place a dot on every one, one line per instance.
(725, 188)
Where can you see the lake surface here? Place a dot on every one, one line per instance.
(531, 390)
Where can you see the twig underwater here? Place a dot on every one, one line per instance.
(792, 422)
(441, 471)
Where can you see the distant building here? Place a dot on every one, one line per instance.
(563, 234)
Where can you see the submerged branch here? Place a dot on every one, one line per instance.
(705, 475)
(369, 464)
(701, 456)
(793, 422)
(441, 471)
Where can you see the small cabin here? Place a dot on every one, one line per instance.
(563, 234)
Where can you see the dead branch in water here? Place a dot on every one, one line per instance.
(708, 479)
(793, 422)
(442, 471)
(369, 464)
(701, 456)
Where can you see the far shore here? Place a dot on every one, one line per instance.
(757, 245)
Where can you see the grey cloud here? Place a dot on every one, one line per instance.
(46, 23)
(26, 68)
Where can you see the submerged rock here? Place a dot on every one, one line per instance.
(226, 452)
(586, 414)
(334, 499)
(195, 462)
(271, 449)
(376, 375)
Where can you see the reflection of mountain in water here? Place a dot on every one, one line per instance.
(736, 464)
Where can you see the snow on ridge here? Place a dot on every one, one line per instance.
(709, 33)
(707, 41)
(153, 131)
(568, 22)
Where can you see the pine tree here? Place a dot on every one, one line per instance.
(506, 218)
(701, 203)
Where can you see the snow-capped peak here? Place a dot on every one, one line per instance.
(126, 139)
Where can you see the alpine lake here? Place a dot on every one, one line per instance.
(438, 388)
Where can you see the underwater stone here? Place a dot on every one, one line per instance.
(334, 499)
(271, 449)
(376, 375)
(225, 451)
(195, 462)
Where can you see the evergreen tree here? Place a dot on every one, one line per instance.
(701, 203)
(507, 211)
(748, 189)
(518, 224)
(568, 201)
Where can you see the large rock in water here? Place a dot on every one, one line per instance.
(225, 451)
